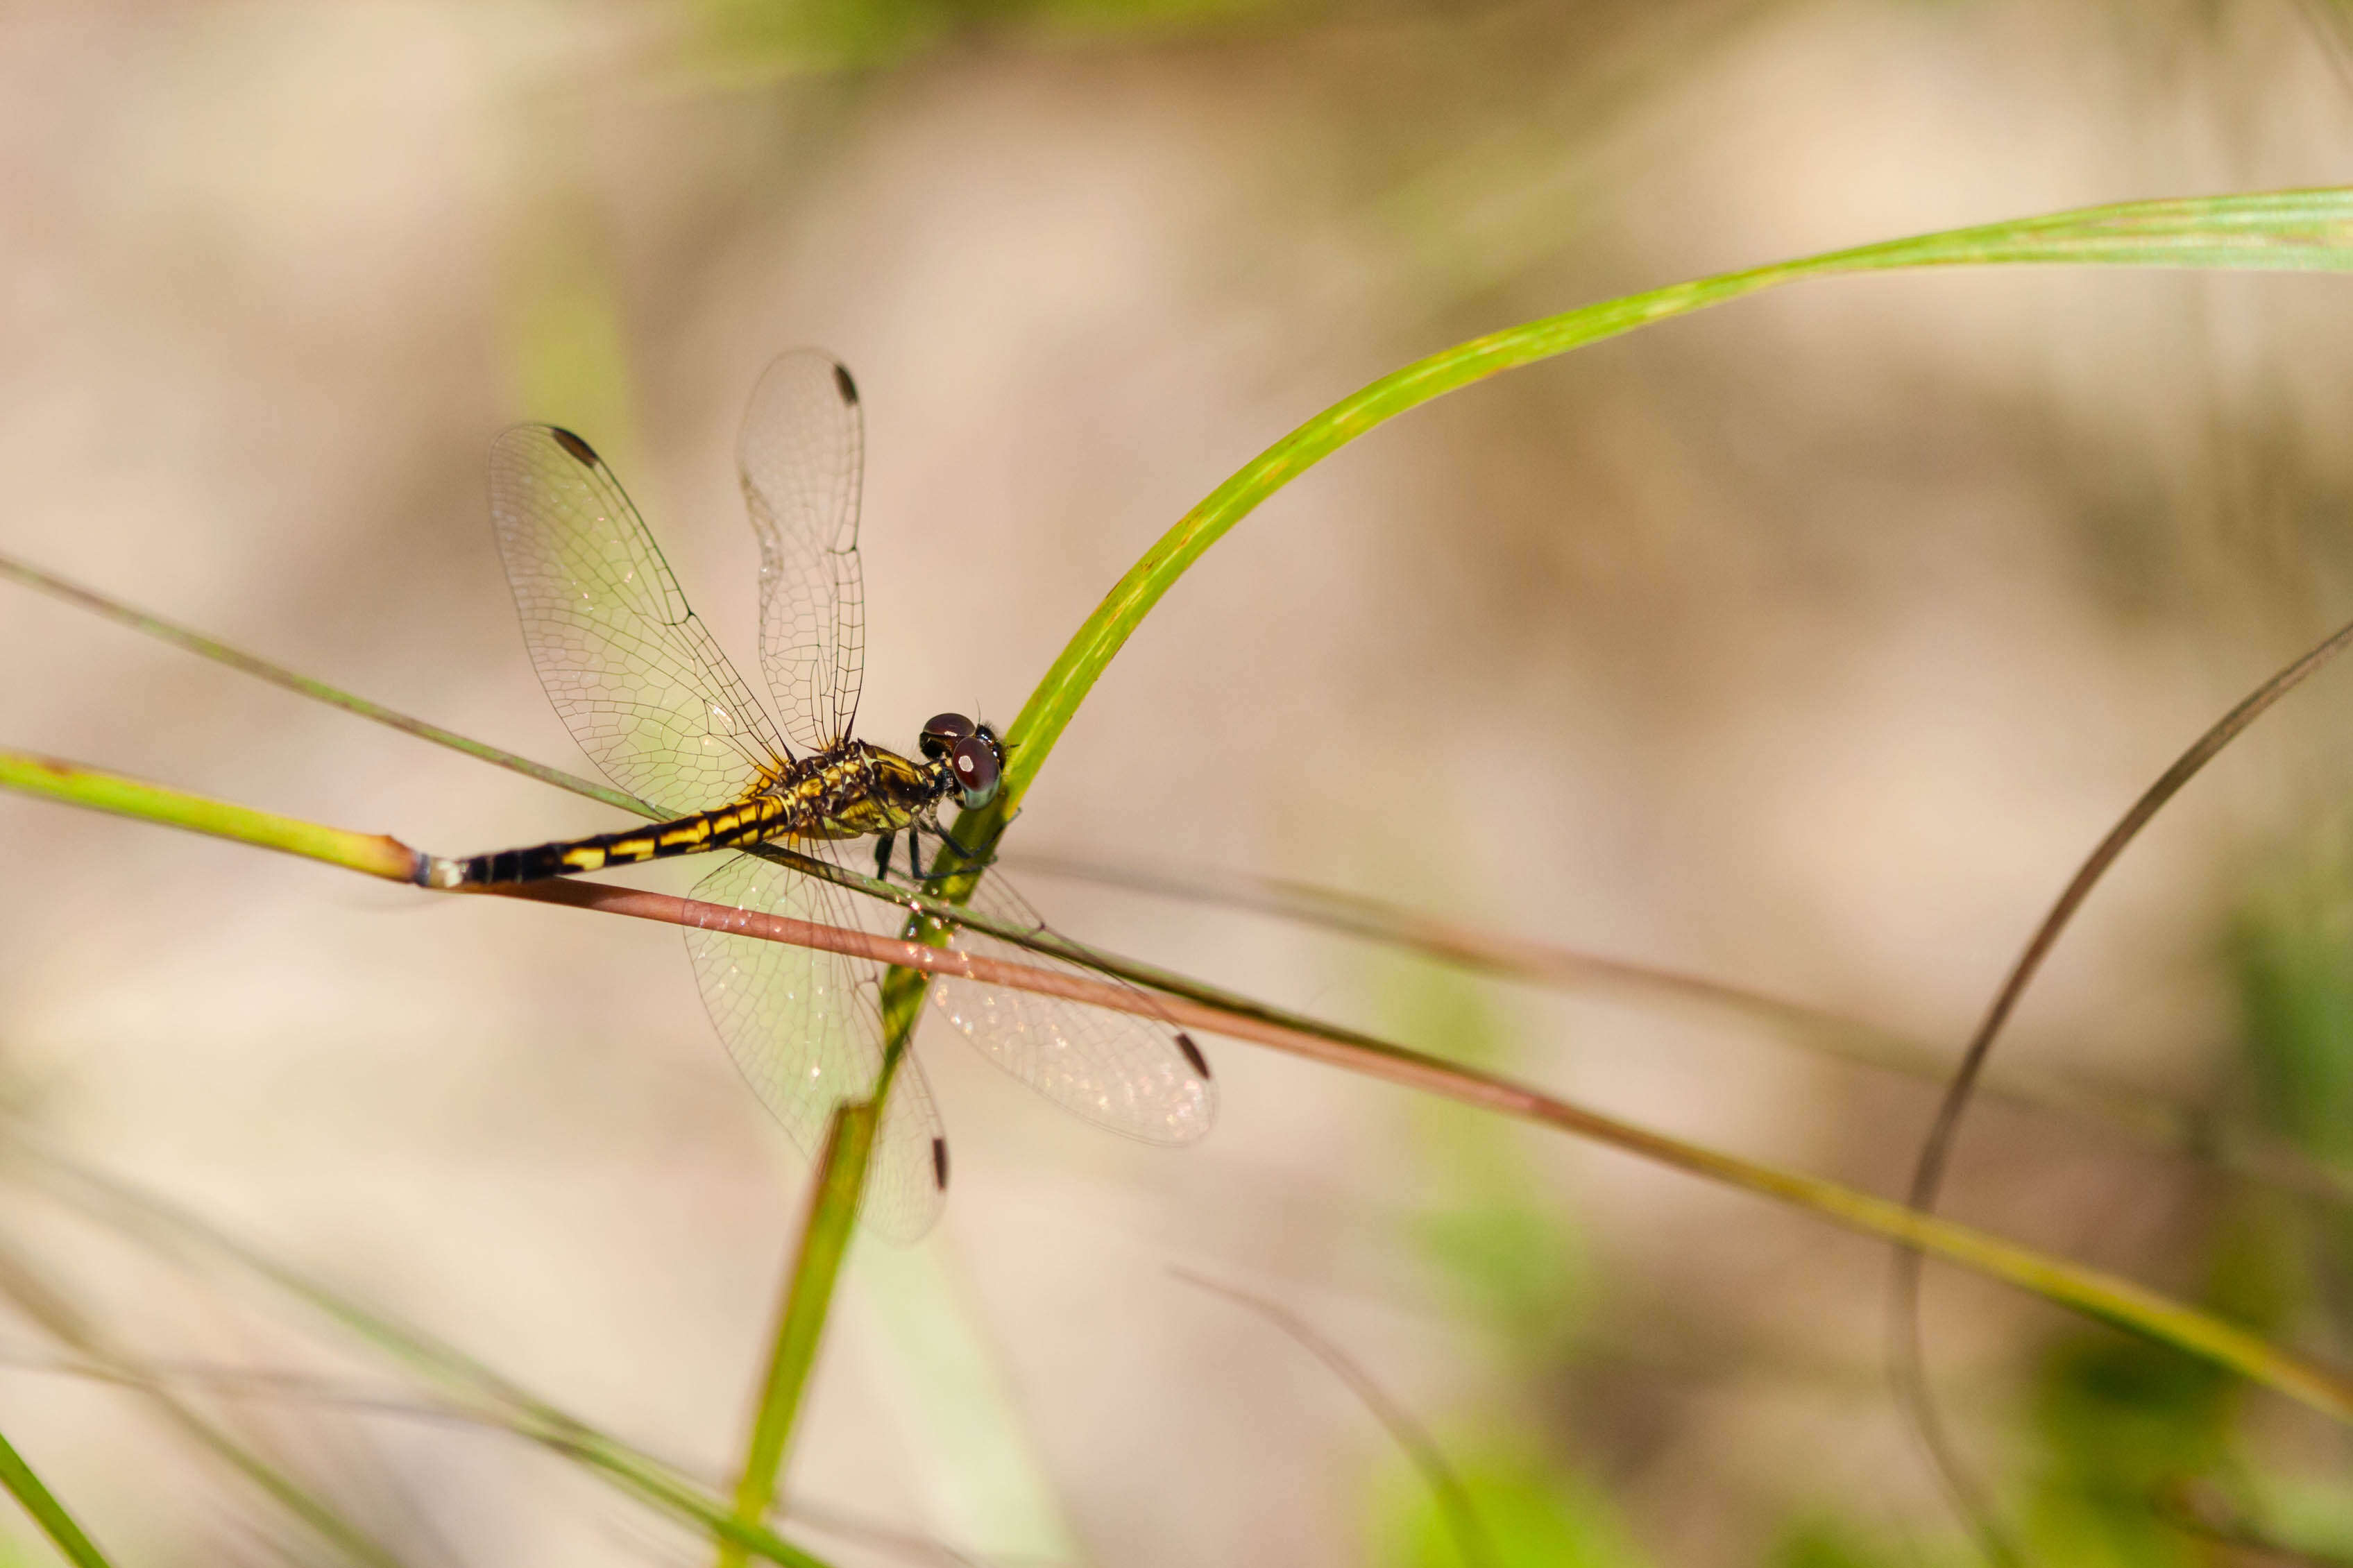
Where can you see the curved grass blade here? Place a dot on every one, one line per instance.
(2273, 231)
(1908, 1353)
(262, 1385)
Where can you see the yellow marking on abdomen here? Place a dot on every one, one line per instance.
(589, 859)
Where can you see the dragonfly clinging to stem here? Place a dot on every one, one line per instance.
(653, 701)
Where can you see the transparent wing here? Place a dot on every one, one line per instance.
(803, 444)
(644, 689)
(1119, 1070)
(805, 1032)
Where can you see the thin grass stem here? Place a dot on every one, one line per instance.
(2090, 1292)
(1471, 1542)
(480, 1393)
(195, 642)
(1907, 1353)
(75, 785)
(47, 1511)
(2174, 1129)
(2096, 1295)
(36, 1295)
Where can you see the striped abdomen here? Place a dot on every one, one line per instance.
(745, 822)
(850, 792)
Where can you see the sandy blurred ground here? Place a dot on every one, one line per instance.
(1807, 644)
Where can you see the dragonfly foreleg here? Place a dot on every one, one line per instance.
(974, 856)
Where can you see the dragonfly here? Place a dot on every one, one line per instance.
(652, 699)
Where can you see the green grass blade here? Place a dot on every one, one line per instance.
(372, 853)
(478, 1393)
(825, 1240)
(194, 642)
(47, 1511)
(840, 1180)
(2277, 231)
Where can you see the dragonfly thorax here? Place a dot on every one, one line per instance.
(854, 789)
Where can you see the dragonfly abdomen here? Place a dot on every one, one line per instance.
(850, 792)
(744, 822)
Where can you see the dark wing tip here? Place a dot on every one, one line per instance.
(1192, 1053)
(844, 385)
(582, 452)
(940, 1162)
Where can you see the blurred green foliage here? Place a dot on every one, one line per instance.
(1510, 1252)
(2119, 1424)
(2133, 1453)
(759, 38)
(2139, 1452)
(1536, 1515)
(2293, 948)
(1490, 1224)
(1825, 1541)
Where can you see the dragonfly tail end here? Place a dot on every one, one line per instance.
(439, 872)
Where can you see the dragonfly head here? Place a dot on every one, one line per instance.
(973, 756)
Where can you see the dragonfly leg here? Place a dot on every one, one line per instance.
(971, 854)
(882, 856)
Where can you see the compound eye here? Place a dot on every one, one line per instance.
(976, 767)
(941, 733)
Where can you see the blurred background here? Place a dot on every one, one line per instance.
(1807, 646)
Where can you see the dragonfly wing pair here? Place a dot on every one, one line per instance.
(661, 709)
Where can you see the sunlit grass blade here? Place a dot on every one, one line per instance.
(839, 1183)
(279, 1387)
(2273, 231)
